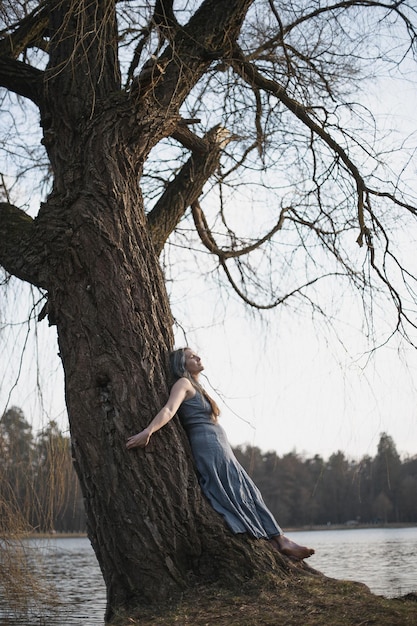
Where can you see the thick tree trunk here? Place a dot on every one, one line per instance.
(151, 529)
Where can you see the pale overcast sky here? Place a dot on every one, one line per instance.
(284, 386)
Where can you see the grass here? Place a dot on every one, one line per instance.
(307, 601)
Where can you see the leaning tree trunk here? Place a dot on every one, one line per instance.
(153, 533)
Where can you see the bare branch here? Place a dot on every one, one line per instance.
(185, 188)
(385, 194)
(251, 74)
(348, 4)
(280, 300)
(208, 240)
(21, 79)
(164, 18)
(145, 34)
(28, 32)
(190, 140)
(21, 252)
(210, 34)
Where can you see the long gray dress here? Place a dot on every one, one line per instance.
(228, 488)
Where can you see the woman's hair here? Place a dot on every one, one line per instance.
(179, 370)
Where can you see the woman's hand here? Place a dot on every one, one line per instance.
(140, 440)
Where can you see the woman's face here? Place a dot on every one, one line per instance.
(193, 362)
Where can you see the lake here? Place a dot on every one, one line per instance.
(382, 558)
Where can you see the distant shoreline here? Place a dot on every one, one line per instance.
(346, 526)
(350, 526)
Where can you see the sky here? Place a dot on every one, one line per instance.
(292, 385)
(286, 384)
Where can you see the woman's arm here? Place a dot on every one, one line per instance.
(179, 392)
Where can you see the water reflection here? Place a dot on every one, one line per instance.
(384, 559)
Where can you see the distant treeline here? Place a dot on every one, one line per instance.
(311, 491)
(39, 488)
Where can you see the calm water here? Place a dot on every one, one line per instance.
(383, 559)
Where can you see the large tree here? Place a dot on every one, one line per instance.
(153, 115)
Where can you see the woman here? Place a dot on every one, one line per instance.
(223, 480)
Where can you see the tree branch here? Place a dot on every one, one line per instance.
(16, 76)
(164, 18)
(21, 79)
(21, 251)
(344, 5)
(280, 300)
(186, 187)
(209, 242)
(210, 34)
(191, 141)
(26, 33)
(253, 77)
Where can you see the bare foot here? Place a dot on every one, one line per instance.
(290, 548)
